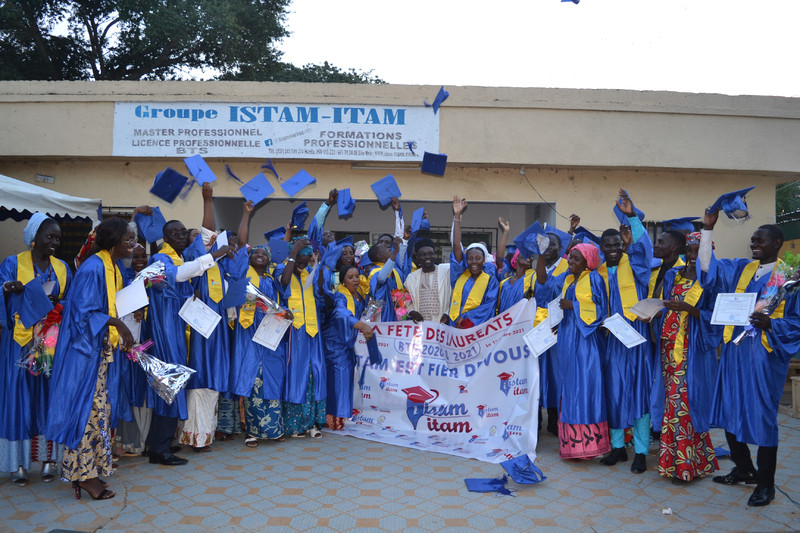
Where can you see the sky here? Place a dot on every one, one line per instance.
(699, 46)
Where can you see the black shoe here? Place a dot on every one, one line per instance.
(167, 459)
(615, 456)
(761, 496)
(553, 430)
(737, 477)
(639, 463)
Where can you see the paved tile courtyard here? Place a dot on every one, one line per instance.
(341, 483)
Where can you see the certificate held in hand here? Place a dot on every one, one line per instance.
(199, 316)
(733, 308)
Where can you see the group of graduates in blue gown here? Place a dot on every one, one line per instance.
(96, 404)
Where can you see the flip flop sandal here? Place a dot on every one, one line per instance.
(20, 477)
(49, 471)
(298, 435)
(251, 442)
(201, 449)
(314, 433)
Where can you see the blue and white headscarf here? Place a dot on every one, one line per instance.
(29, 234)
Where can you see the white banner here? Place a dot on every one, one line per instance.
(484, 404)
(286, 131)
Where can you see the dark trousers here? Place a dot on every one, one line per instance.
(162, 431)
(767, 460)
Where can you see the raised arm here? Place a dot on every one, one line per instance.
(501, 247)
(459, 205)
(209, 222)
(244, 225)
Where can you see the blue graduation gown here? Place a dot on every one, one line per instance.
(488, 306)
(750, 381)
(168, 331)
(340, 355)
(700, 364)
(78, 354)
(24, 398)
(303, 351)
(580, 351)
(512, 291)
(630, 373)
(249, 355)
(383, 292)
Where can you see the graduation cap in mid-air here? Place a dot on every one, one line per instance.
(168, 184)
(299, 216)
(199, 169)
(733, 203)
(151, 227)
(345, 203)
(441, 96)
(298, 182)
(386, 189)
(434, 163)
(257, 189)
(526, 241)
(419, 222)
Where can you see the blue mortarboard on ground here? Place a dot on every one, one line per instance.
(199, 169)
(622, 217)
(299, 216)
(269, 166)
(721, 452)
(151, 227)
(298, 182)
(279, 249)
(347, 241)
(563, 236)
(441, 96)
(386, 189)
(418, 222)
(168, 184)
(680, 224)
(733, 204)
(528, 238)
(488, 485)
(523, 471)
(584, 235)
(345, 203)
(434, 163)
(33, 303)
(235, 293)
(277, 232)
(257, 189)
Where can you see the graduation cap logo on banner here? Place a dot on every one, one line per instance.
(563, 236)
(434, 163)
(199, 169)
(151, 227)
(386, 189)
(441, 96)
(298, 182)
(257, 189)
(345, 203)
(526, 241)
(680, 224)
(299, 216)
(733, 203)
(168, 184)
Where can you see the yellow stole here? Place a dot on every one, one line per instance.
(25, 274)
(691, 297)
(541, 312)
(351, 304)
(651, 286)
(167, 250)
(247, 312)
(475, 294)
(626, 284)
(744, 280)
(302, 304)
(113, 284)
(214, 278)
(374, 271)
(583, 293)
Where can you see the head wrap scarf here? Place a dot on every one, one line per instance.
(694, 238)
(308, 250)
(514, 260)
(29, 234)
(260, 247)
(489, 258)
(590, 253)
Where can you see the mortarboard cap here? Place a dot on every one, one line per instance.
(733, 204)
(622, 217)
(277, 232)
(279, 249)
(345, 203)
(522, 470)
(257, 189)
(563, 236)
(441, 96)
(418, 222)
(386, 189)
(680, 224)
(235, 292)
(526, 241)
(315, 234)
(573, 1)
(151, 227)
(168, 184)
(199, 169)
(434, 163)
(511, 248)
(33, 303)
(584, 235)
(332, 254)
(299, 216)
(347, 241)
(488, 485)
(298, 182)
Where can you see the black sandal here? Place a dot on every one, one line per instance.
(104, 495)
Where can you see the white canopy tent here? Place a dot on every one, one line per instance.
(20, 196)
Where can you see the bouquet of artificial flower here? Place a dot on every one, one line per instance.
(165, 378)
(38, 359)
(262, 301)
(782, 281)
(152, 275)
(372, 313)
(402, 302)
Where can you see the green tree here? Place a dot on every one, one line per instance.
(151, 40)
(787, 197)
